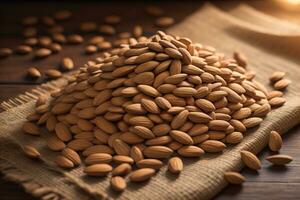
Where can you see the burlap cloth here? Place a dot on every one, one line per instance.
(269, 44)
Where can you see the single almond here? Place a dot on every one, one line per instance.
(277, 101)
(190, 151)
(142, 132)
(175, 165)
(123, 159)
(179, 119)
(276, 76)
(121, 147)
(79, 144)
(150, 106)
(157, 152)
(212, 146)
(98, 158)
(118, 183)
(53, 73)
(234, 177)
(55, 144)
(275, 141)
(31, 152)
(282, 84)
(67, 63)
(121, 170)
(163, 103)
(149, 163)
(250, 160)
(62, 132)
(141, 175)
(33, 72)
(234, 138)
(98, 170)
(181, 137)
(252, 122)
(64, 162)
(279, 159)
(31, 128)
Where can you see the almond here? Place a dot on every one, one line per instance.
(64, 162)
(123, 159)
(277, 101)
(98, 170)
(121, 170)
(234, 138)
(148, 90)
(234, 177)
(67, 63)
(179, 119)
(141, 175)
(62, 132)
(161, 129)
(149, 163)
(218, 125)
(98, 158)
(98, 149)
(118, 183)
(181, 137)
(72, 155)
(279, 159)
(55, 144)
(190, 151)
(141, 121)
(79, 144)
(252, 122)
(31, 152)
(157, 152)
(136, 154)
(205, 105)
(33, 72)
(282, 84)
(184, 92)
(121, 147)
(163, 103)
(105, 125)
(150, 106)
(276, 76)
(275, 141)
(212, 146)
(176, 79)
(31, 128)
(199, 117)
(250, 160)
(175, 165)
(142, 132)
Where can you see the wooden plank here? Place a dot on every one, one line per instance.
(261, 191)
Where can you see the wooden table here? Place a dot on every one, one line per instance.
(269, 183)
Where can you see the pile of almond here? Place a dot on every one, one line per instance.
(148, 102)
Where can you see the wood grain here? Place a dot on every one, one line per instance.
(270, 183)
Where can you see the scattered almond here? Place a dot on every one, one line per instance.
(31, 152)
(33, 72)
(118, 183)
(279, 159)
(234, 177)
(175, 165)
(275, 141)
(250, 160)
